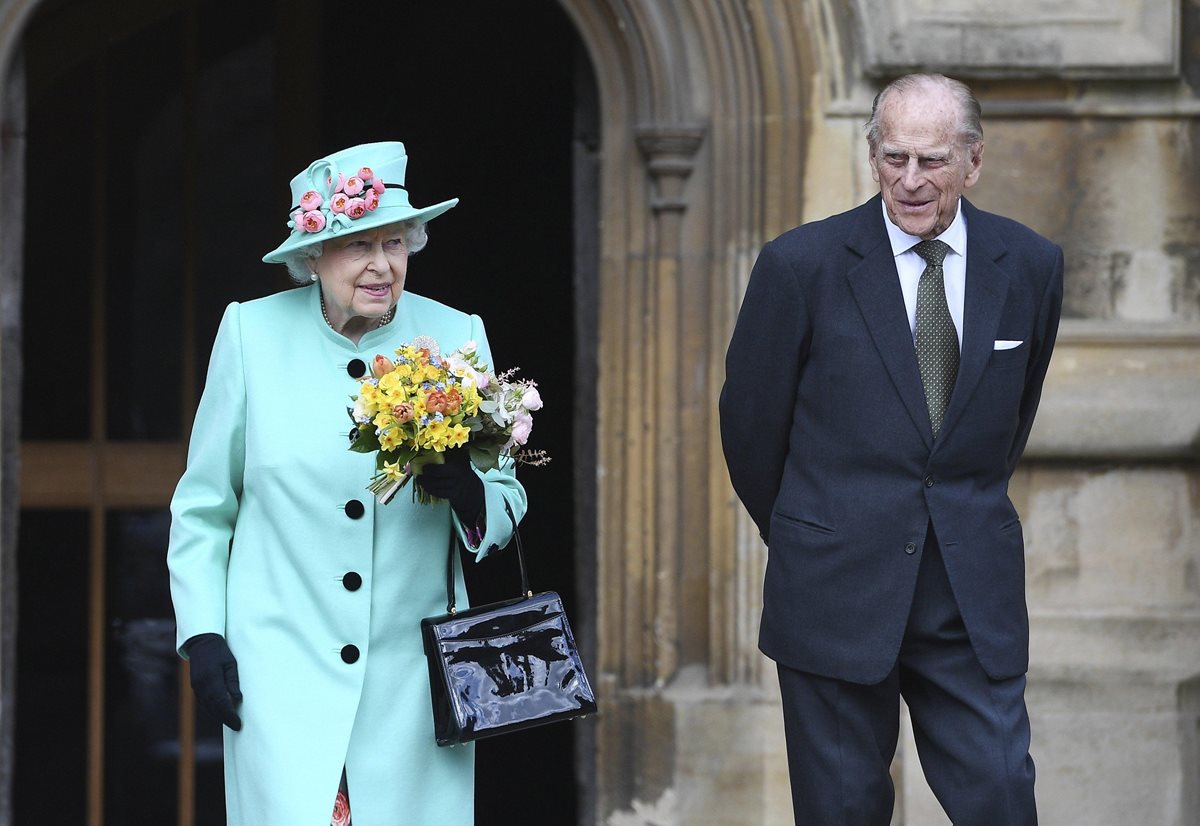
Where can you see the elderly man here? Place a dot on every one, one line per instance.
(880, 387)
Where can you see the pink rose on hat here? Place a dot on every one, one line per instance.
(353, 186)
(372, 200)
(337, 203)
(311, 200)
(356, 208)
(313, 221)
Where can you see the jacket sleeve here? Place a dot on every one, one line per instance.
(204, 508)
(500, 486)
(762, 374)
(1045, 334)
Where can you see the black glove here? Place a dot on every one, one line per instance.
(215, 677)
(456, 482)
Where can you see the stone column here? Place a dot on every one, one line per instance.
(669, 153)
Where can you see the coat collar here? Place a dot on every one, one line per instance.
(876, 288)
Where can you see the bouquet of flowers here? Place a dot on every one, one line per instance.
(417, 406)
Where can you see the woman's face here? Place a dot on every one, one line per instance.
(362, 275)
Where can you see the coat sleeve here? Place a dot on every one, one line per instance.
(762, 374)
(1046, 332)
(500, 486)
(204, 508)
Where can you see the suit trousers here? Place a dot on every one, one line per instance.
(971, 732)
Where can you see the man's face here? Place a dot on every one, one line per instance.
(921, 163)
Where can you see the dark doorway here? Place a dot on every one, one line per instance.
(162, 109)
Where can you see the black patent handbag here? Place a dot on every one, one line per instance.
(505, 666)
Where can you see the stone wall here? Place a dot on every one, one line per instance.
(1090, 114)
(1101, 158)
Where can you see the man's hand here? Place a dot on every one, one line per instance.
(215, 678)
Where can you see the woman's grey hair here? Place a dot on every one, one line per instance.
(296, 261)
(970, 129)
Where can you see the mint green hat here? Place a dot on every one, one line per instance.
(352, 190)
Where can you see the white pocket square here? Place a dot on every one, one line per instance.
(1002, 344)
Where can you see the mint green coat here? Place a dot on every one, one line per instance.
(261, 541)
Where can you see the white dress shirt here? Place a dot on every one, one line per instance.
(910, 266)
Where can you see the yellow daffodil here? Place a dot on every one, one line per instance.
(394, 470)
(434, 435)
(457, 435)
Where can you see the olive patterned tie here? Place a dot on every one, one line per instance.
(937, 340)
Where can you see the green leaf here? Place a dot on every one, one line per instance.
(402, 457)
(484, 458)
(367, 442)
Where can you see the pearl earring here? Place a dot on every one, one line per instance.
(312, 277)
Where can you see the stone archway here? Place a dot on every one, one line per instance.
(702, 114)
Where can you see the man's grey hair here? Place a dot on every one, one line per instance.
(296, 261)
(970, 129)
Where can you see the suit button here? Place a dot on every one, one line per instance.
(928, 481)
(350, 654)
(352, 581)
(355, 509)
(910, 548)
(356, 368)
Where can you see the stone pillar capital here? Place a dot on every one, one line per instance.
(669, 151)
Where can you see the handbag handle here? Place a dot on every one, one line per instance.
(454, 542)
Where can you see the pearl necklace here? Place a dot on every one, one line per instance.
(386, 318)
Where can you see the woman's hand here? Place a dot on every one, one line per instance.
(215, 677)
(456, 482)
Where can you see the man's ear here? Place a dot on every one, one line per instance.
(975, 164)
(871, 163)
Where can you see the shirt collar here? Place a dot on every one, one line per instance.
(954, 235)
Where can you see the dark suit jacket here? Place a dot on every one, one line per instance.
(827, 437)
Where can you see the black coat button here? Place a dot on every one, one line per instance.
(352, 581)
(350, 654)
(910, 548)
(355, 509)
(357, 368)
(928, 481)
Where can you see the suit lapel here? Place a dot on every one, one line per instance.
(986, 292)
(876, 287)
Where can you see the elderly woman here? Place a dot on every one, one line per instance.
(298, 598)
